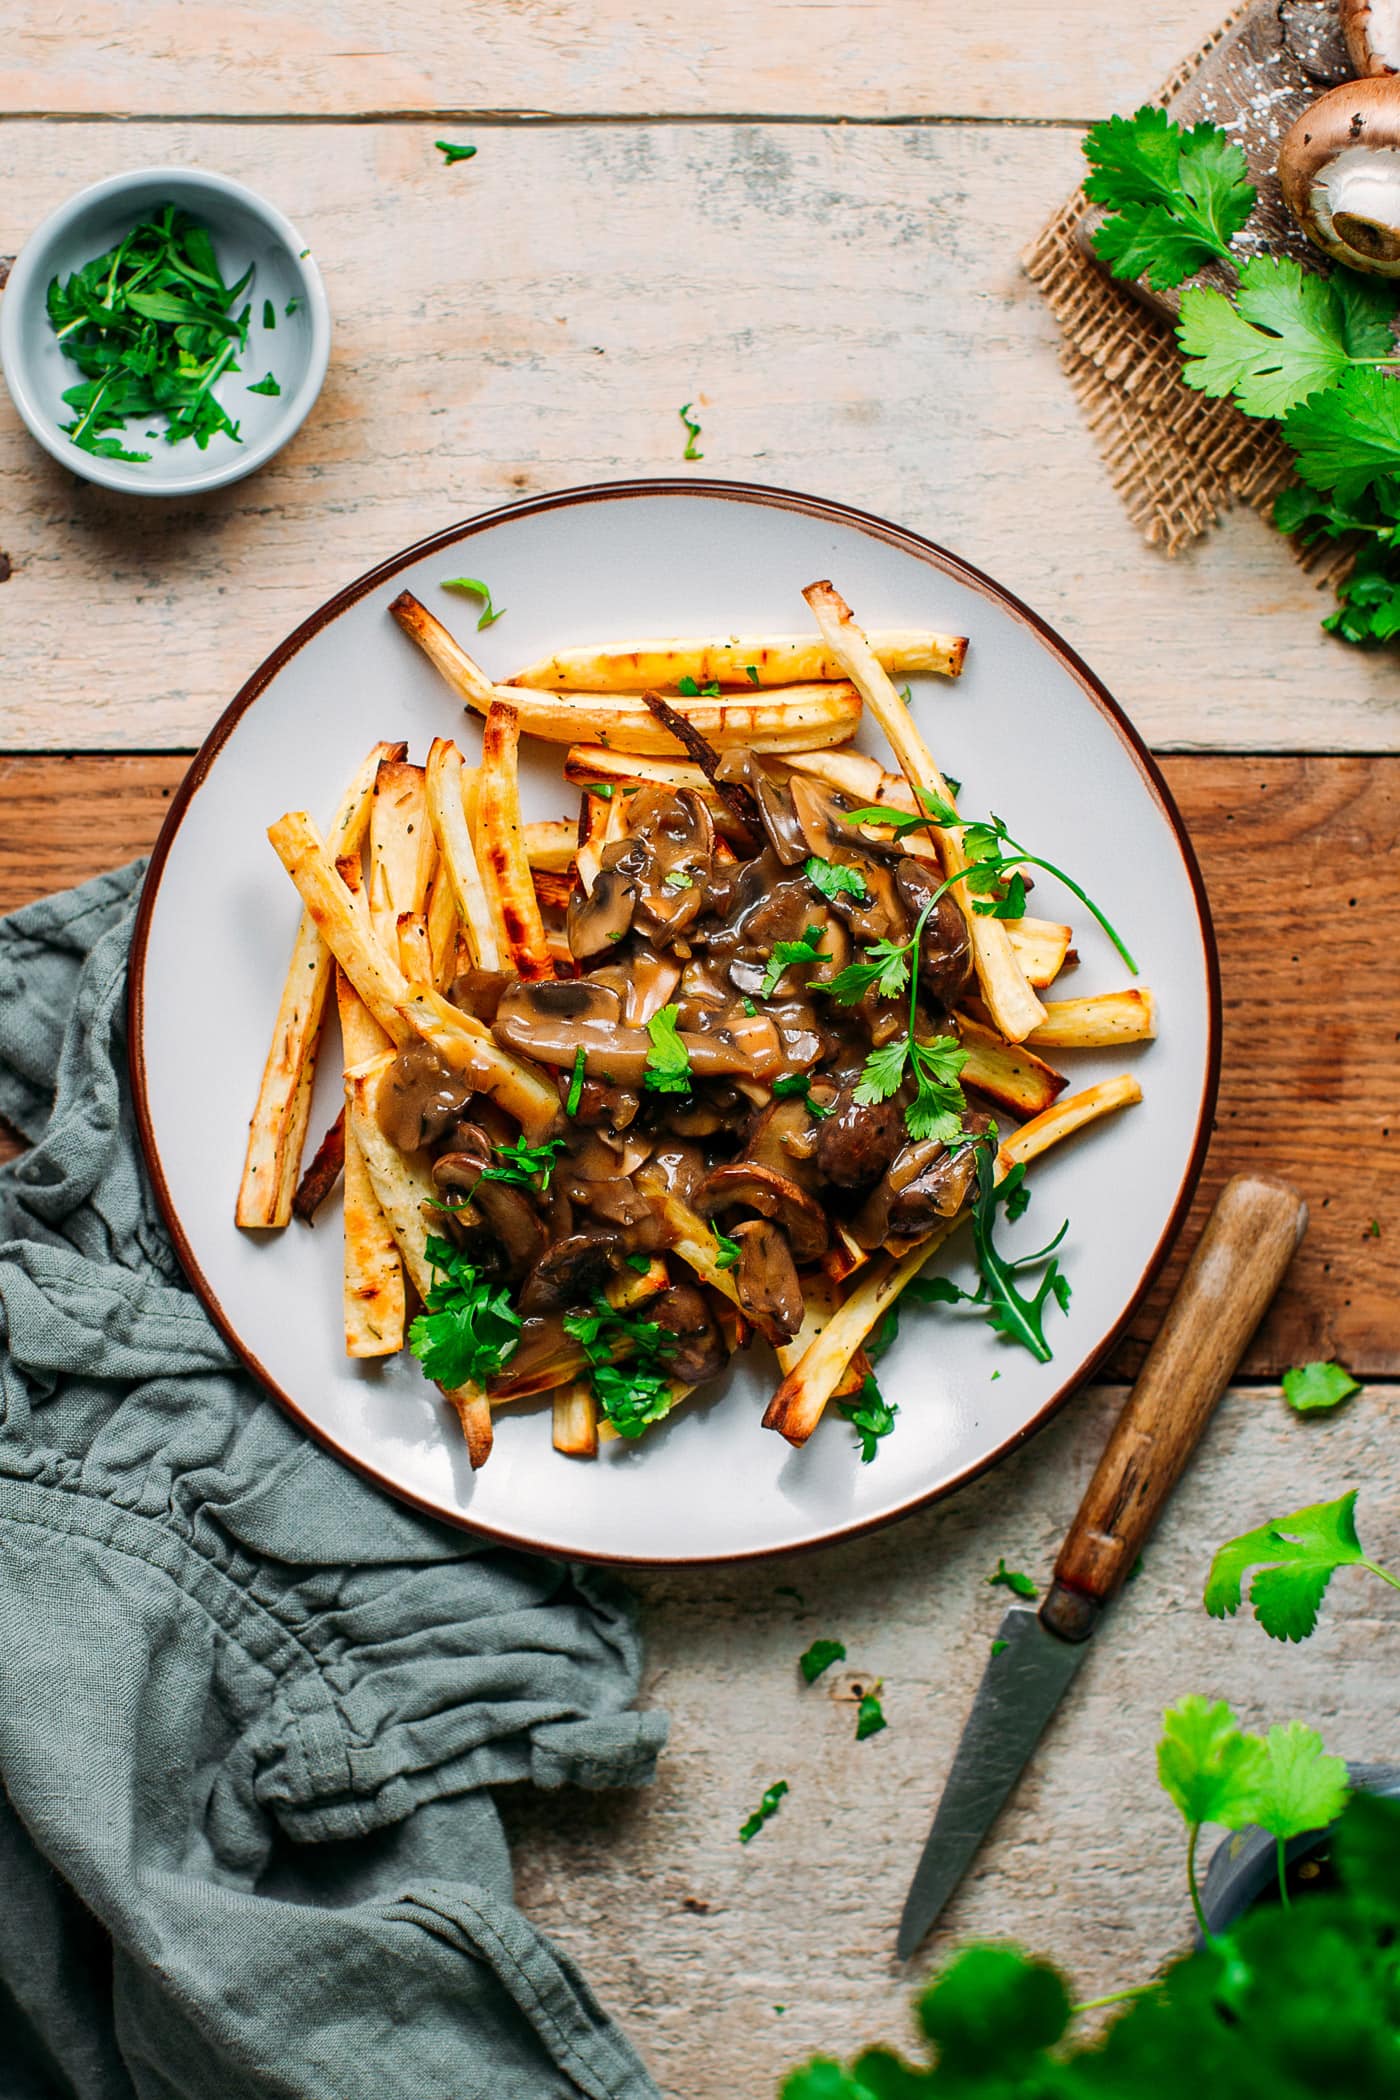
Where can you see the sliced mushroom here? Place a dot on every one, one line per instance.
(700, 1352)
(666, 856)
(571, 1273)
(1372, 32)
(515, 1223)
(774, 804)
(766, 1280)
(783, 1136)
(478, 992)
(1339, 168)
(596, 922)
(743, 1184)
(872, 913)
(575, 1000)
(945, 948)
(857, 1143)
(419, 1098)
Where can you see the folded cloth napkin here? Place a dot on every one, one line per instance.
(249, 1708)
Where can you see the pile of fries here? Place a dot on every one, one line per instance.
(429, 876)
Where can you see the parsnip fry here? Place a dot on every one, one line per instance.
(1014, 1007)
(692, 1239)
(759, 660)
(442, 928)
(322, 1174)
(448, 817)
(373, 1273)
(1008, 1073)
(592, 832)
(1098, 1022)
(403, 852)
(500, 838)
(277, 1131)
(415, 951)
(796, 1407)
(1040, 947)
(551, 846)
(344, 929)
(588, 765)
(576, 1420)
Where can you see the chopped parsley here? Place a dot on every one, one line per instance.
(833, 880)
(751, 671)
(1011, 1579)
(470, 1329)
(728, 1254)
(693, 691)
(452, 152)
(767, 1807)
(999, 1648)
(633, 1393)
(870, 1715)
(871, 1416)
(692, 432)
(820, 1656)
(521, 1163)
(678, 879)
(1314, 1388)
(668, 1060)
(791, 955)
(266, 385)
(793, 1084)
(575, 1094)
(640, 1262)
(473, 587)
(269, 314)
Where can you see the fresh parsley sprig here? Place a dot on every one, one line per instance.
(993, 876)
(834, 880)
(470, 1329)
(1296, 1557)
(1178, 198)
(871, 1416)
(805, 953)
(635, 1391)
(668, 1061)
(939, 1104)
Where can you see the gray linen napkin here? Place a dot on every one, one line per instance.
(248, 1706)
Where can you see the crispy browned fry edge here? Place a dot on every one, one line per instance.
(322, 1174)
(797, 1405)
(415, 949)
(373, 1299)
(1041, 948)
(552, 892)
(1007, 1073)
(277, 1130)
(501, 844)
(1014, 1007)
(759, 660)
(452, 829)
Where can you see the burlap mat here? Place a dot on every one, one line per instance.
(1177, 459)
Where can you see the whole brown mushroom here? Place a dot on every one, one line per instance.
(1339, 169)
(1372, 32)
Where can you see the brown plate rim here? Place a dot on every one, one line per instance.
(875, 527)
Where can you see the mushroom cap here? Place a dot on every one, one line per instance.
(1339, 169)
(772, 1195)
(767, 1281)
(1372, 32)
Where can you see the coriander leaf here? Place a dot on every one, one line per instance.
(990, 2016)
(728, 1255)
(768, 1806)
(668, 1060)
(452, 153)
(1348, 438)
(1300, 1787)
(1367, 309)
(939, 1104)
(871, 1416)
(834, 880)
(1281, 339)
(870, 1716)
(266, 385)
(1296, 1556)
(1153, 244)
(471, 586)
(1136, 160)
(574, 1097)
(1207, 1764)
(692, 432)
(883, 1073)
(820, 1656)
(634, 1392)
(1368, 609)
(1180, 197)
(794, 1084)
(788, 955)
(470, 1330)
(1313, 1388)
(1011, 1579)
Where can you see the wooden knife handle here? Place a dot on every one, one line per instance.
(1239, 1262)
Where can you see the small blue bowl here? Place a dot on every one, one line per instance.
(245, 230)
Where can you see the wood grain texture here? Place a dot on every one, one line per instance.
(1312, 1000)
(878, 59)
(696, 1940)
(844, 304)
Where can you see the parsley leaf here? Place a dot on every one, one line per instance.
(820, 1656)
(521, 1163)
(1349, 437)
(453, 153)
(728, 1255)
(1179, 197)
(1313, 1388)
(693, 691)
(266, 385)
(472, 587)
(1011, 1579)
(575, 1094)
(833, 880)
(692, 432)
(1301, 1788)
(887, 973)
(870, 1716)
(883, 1072)
(632, 1393)
(896, 820)
(752, 673)
(767, 1807)
(269, 316)
(999, 1648)
(871, 1416)
(1286, 334)
(678, 879)
(1207, 1764)
(788, 955)
(668, 1060)
(1296, 1557)
(799, 1083)
(470, 1329)
(993, 855)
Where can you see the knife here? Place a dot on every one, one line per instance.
(1239, 1262)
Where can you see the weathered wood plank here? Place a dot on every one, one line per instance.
(1312, 997)
(696, 1941)
(844, 303)
(883, 58)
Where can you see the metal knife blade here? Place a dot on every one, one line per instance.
(1020, 1689)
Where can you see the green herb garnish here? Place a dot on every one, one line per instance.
(269, 314)
(473, 587)
(470, 1330)
(939, 1105)
(151, 326)
(871, 1416)
(452, 153)
(870, 1715)
(794, 1083)
(522, 1163)
(1314, 1388)
(266, 385)
(1178, 198)
(791, 955)
(678, 879)
(820, 1656)
(635, 1392)
(1008, 1310)
(692, 432)
(751, 671)
(1297, 1557)
(668, 1060)
(833, 880)
(767, 1807)
(693, 691)
(291, 307)
(994, 865)
(1011, 1579)
(728, 1255)
(1000, 1647)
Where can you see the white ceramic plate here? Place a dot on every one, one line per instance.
(1030, 734)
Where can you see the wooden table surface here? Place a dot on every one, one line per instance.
(805, 215)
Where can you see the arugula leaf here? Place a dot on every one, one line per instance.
(728, 1255)
(871, 1416)
(1301, 1787)
(1011, 1579)
(693, 691)
(692, 432)
(793, 1084)
(471, 586)
(834, 880)
(574, 1097)
(870, 1715)
(1009, 1311)
(266, 385)
(668, 1060)
(768, 1806)
(453, 153)
(1287, 334)
(1296, 1557)
(788, 955)
(470, 1329)
(1180, 197)
(1207, 1764)
(1313, 1388)
(820, 1656)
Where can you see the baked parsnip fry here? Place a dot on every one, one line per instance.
(1007, 1073)
(500, 834)
(372, 1276)
(551, 846)
(448, 817)
(415, 950)
(576, 1420)
(402, 850)
(1014, 1007)
(1041, 948)
(443, 923)
(1097, 1022)
(277, 1131)
(797, 1406)
(759, 661)
(323, 1173)
(342, 925)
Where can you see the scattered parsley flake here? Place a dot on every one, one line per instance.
(692, 432)
(834, 880)
(1000, 1647)
(728, 1255)
(820, 1656)
(871, 1416)
(575, 1093)
(640, 1262)
(870, 1716)
(269, 314)
(789, 955)
(1314, 1388)
(452, 153)
(1011, 1579)
(266, 385)
(752, 673)
(668, 1060)
(692, 691)
(471, 586)
(767, 1807)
